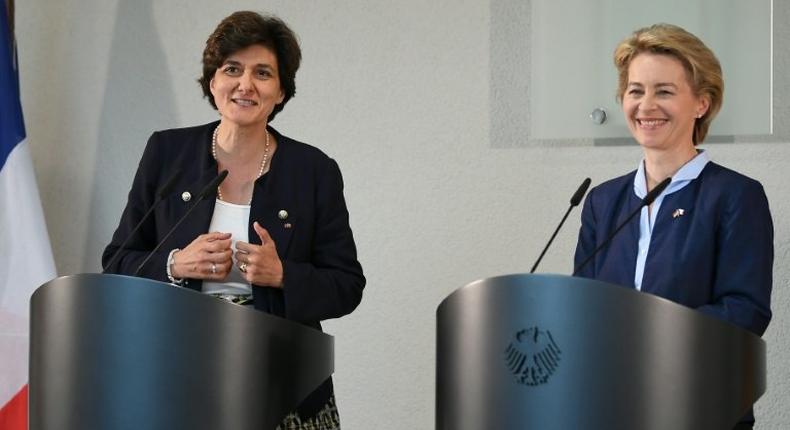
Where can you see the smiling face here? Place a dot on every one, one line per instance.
(246, 88)
(659, 104)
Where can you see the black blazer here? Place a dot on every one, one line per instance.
(321, 275)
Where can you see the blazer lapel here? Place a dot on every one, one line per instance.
(200, 219)
(197, 173)
(280, 227)
(274, 205)
(631, 244)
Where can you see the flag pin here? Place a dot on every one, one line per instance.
(678, 212)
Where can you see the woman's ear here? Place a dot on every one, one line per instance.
(704, 105)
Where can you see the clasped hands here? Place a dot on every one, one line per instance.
(210, 257)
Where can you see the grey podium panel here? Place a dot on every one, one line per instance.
(557, 352)
(116, 352)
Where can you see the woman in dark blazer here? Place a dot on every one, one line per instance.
(707, 241)
(277, 236)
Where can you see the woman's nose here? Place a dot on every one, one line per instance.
(245, 81)
(648, 102)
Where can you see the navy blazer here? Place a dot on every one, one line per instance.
(716, 258)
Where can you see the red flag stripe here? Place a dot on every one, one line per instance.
(13, 415)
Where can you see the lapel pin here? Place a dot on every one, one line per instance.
(678, 212)
(283, 214)
(186, 196)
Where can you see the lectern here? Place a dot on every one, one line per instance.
(556, 352)
(116, 352)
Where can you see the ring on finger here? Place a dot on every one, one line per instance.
(243, 268)
(213, 269)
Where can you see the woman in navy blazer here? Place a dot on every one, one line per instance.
(277, 237)
(707, 241)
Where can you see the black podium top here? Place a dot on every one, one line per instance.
(556, 352)
(116, 352)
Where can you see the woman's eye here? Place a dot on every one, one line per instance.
(264, 73)
(231, 69)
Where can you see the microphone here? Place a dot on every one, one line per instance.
(649, 198)
(575, 200)
(166, 189)
(208, 189)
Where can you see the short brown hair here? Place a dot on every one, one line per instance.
(702, 66)
(243, 29)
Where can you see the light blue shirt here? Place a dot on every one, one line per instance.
(683, 177)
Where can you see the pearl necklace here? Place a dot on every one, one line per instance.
(263, 162)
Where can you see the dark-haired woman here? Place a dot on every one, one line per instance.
(277, 236)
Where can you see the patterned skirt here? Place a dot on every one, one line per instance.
(326, 419)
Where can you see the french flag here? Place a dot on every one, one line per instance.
(25, 254)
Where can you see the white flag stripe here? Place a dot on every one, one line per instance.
(13, 366)
(26, 263)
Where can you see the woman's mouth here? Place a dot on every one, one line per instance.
(244, 102)
(650, 123)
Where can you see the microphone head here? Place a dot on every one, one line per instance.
(212, 186)
(656, 191)
(167, 188)
(579, 194)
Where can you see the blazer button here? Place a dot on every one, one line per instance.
(283, 214)
(186, 196)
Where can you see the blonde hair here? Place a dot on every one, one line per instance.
(702, 66)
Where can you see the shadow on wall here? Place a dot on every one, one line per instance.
(138, 99)
(510, 32)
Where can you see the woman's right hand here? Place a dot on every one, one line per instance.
(207, 251)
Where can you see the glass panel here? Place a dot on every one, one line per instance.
(573, 74)
(570, 71)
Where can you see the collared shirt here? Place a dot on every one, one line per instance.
(680, 179)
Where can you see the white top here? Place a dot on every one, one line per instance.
(689, 172)
(234, 219)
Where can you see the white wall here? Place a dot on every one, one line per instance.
(399, 94)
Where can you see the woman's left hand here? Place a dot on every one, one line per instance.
(260, 264)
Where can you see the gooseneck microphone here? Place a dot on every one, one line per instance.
(575, 200)
(166, 189)
(649, 198)
(207, 190)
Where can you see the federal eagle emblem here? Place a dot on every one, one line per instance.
(532, 356)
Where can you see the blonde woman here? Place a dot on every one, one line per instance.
(707, 241)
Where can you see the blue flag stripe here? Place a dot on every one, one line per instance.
(12, 126)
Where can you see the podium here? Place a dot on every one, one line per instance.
(116, 352)
(556, 352)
